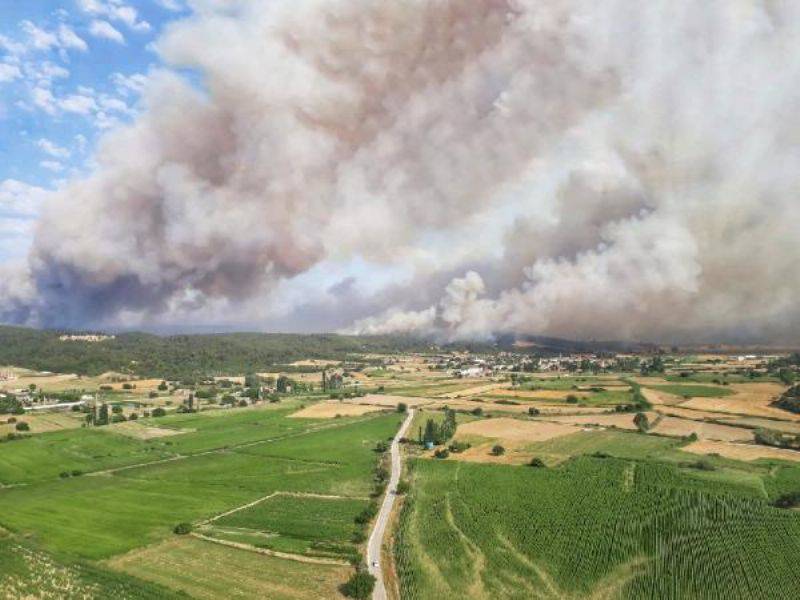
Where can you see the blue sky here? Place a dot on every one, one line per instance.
(69, 70)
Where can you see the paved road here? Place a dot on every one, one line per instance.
(376, 537)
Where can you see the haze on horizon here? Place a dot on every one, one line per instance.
(610, 170)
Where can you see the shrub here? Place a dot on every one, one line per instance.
(533, 411)
(459, 446)
(403, 486)
(790, 500)
(359, 586)
(477, 411)
(116, 409)
(182, 528)
(152, 395)
(76, 473)
(64, 474)
(498, 450)
(381, 447)
(22, 426)
(127, 386)
(641, 421)
(572, 399)
(359, 537)
(158, 412)
(441, 453)
(537, 462)
(402, 407)
(133, 417)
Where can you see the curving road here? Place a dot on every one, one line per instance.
(378, 531)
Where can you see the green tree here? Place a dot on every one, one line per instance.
(102, 417)
(641, 421)
(360, 585)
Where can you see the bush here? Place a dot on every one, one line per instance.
(537, 462)
(790, 500)
(64, 474)
(498, 450)
(128, 386)
(459, 447)
(441, 453)
(359, 586)
(359, 537)
(572, 399)
(402, 407)
(133, 417)
(403, 486)
(532, 411)
(182, 528)
(152, 395)
(158, 412)
(381, 447)
(641, 421)
(76, 473)
(22, 426)
(116, 409)
(477, 411)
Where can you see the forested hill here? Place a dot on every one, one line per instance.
(178, 355)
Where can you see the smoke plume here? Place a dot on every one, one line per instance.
(571, 167)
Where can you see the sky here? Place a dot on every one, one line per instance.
(593, 170)
(69, 71)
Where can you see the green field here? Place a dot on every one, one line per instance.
(593, 527)
(25, 570)
(225, 460)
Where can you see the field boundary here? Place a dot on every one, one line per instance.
(274, 553)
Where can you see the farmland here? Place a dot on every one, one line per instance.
(229, 484)
(602, 527)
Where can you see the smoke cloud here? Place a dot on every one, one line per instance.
(612, 170)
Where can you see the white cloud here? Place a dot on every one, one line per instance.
(52, 165)
(38, 38)
(78, 103)
(115, 10)
(43, 98)
(174, 5)
(52, 149)
(9, 72)
(105, 30)
(19, 199)
(127, 84)
(43, 73)
(70, 39)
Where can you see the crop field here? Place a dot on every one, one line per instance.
(694, 391)
(210, 571)
(123, 493)
(27, 571)
(590, 528)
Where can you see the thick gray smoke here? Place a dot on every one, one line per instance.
(591, 169)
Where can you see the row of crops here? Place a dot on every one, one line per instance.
(587, 528)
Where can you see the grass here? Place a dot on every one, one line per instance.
(96, 517)
(296, 524)
(711, 377)
(604, 527)
(209, 571)
(614, 443)
(29, 572)
(693, 391)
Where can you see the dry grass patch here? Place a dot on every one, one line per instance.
(541, 394)
(210, 571)
(705, 431)
(388, 401)
(751, 399)
(514, 430)
(618, 420)
(473, 391)
(139, 431)
(330, 409)
(43, 422)
(659, 398)
(786, 426)
(691, 414)
(746, 452)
